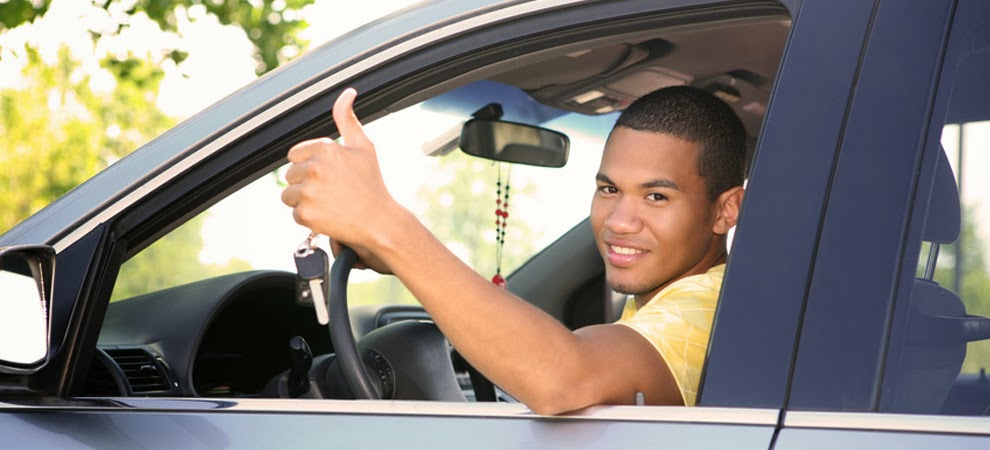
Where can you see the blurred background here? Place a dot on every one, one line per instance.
(85, 82)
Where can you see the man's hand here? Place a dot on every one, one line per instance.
(337, 189)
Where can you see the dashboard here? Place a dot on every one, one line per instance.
(222, 337)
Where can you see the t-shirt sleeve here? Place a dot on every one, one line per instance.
(678, 324)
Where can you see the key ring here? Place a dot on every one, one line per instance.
(308, 246)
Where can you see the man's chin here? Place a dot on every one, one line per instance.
(629, 288)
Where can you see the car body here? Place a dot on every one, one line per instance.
(845, 100)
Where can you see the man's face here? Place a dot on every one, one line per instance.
(651, 215)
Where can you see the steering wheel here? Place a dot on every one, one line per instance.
(404, 360)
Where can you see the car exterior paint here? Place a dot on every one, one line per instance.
(780, 373)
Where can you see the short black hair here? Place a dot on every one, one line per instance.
(697, 116)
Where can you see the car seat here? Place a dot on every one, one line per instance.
(933, 347)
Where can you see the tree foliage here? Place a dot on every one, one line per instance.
(974, 287)
(16, 12)
(460, 212)
(59, 128)
(170, 261)
(272, 25)
(57, 131)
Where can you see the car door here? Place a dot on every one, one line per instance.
(147, 195)
(830, 129)
(882, 342)
(763, 298)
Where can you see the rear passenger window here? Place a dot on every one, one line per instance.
(940, 364)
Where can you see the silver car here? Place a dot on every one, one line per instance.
(845, 321)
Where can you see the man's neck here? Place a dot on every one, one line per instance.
(703, 267)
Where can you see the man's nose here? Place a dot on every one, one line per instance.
(624, 217)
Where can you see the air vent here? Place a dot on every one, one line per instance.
(100, 381)
(143, 373)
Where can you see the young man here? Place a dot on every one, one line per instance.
(669, 190)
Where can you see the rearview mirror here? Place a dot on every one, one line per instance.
(25, 300)
(514, 142)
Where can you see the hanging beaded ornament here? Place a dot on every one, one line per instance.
(501, 220)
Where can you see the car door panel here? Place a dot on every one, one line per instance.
(855, 271)
(824, 430)
(753, 339)
(807, 300)
(347, 424)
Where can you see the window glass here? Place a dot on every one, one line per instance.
(945, 352)
(454, 195)
(967, 146)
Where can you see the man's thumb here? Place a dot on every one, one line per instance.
(347, 122)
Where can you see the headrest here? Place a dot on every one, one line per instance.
(944, 219)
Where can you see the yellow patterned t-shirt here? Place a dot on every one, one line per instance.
(678, 321)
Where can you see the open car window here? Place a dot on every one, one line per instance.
(213, 297)
(453, 194)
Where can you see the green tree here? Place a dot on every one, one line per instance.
(50, 146)
(461, 213)
(170, 261)
(975, 284)
(58, 132)
(462, 216)
(16, 12)
(272, 25)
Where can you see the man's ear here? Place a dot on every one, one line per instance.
(727, 207)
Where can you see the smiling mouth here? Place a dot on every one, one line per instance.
(625, 250)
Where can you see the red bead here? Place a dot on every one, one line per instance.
(505, 214)
(497, 280)
(498, 201)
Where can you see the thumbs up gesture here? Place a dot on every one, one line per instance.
(337, 189)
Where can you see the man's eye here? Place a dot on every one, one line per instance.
(656, 197)
(607, 189)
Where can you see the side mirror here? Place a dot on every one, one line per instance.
(26, 273)
(514, 142)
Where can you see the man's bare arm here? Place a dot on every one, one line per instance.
(337, 190)
(519, 347)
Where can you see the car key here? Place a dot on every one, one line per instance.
(312, 268)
